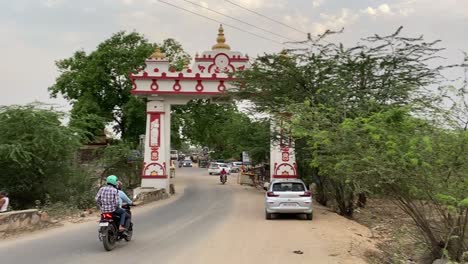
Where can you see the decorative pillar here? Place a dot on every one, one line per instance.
(156, 157)
(282, 155)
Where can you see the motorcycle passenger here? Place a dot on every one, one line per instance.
(108, 200)
(221, 174)
(124, 199)
(122, 195)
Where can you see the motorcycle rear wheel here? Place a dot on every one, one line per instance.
(109, 237)
(129, 235)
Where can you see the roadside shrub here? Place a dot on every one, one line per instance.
(423, 167)
(122, 160)
(37, 157)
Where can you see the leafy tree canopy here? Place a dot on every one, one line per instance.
(98, 86)
(36, 154)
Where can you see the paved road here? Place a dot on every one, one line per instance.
(209, 223)
(160, 233)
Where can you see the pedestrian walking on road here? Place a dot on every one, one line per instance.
(4, 202)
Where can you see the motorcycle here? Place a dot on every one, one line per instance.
(109, 232)
(223, 178)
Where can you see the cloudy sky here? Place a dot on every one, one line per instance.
(35, 33)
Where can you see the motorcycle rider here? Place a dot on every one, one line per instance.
(221, 174)
(108, 200)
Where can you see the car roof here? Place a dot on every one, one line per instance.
(287, 180)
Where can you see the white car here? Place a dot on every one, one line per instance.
(235, 166)
(216, 168)
(288, 196)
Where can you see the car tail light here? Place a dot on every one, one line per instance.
(306, 194)
(272, 194)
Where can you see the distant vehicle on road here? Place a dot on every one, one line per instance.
(235, 166)
(216, 168)
(174, 155)
(186, 163)
(288, 196)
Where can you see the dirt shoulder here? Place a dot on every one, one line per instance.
(393, 231)
(246, 237)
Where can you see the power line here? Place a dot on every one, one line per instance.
(239, 20)
(271, 19)
(220, 22)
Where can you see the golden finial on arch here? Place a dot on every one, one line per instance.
(158, 55)
(221, 40)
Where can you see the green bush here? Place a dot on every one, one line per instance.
(37, 158)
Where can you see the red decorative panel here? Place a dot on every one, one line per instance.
(221, 86)
(285, 156)
(155, 130)
(199, 87)
(177, 87)
(285, 169)
(154, 154)
(154, 85)
(154, 170)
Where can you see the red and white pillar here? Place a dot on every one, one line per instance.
(282, 155)
(156, 163)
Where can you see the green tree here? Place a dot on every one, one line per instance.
(37, 156)
(98, 86)
(223, 129)
(121, 160)
(420, 165)
(328, 83)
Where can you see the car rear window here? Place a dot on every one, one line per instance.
(214, 166)
(288, 187)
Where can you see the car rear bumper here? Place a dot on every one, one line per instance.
(288, 210)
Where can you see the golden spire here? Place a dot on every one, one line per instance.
(221, 40)
(158, 55)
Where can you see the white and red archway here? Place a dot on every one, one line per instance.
(209, 76)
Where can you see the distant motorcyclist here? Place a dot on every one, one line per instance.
(108, 200)
(222, 174)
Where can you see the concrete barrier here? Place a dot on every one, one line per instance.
(23, 220)
(246, 178)
(143, 195)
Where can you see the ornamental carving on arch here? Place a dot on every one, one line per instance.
(155, 170)
(155, 130)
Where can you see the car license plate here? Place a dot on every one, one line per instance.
(289, 204)
(104, 224)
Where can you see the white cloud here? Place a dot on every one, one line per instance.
(253, 3)
(371, 11)
(258, 4)
(317, 3)
(383, 9)
(335, 22)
